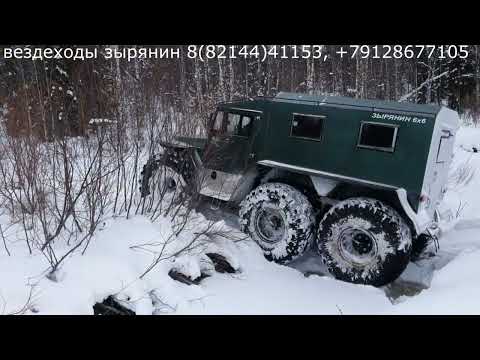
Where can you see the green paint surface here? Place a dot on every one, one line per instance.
(337, 151)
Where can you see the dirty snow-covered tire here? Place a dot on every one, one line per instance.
(280, 219)
(364, 241)
(165, 185)
(168, 180)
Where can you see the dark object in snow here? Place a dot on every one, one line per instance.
(221, 264)
(472, 149)
(313, 273)
(110, 306)
(178, 276)
(400, 288)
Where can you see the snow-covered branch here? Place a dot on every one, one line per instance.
(425, 83)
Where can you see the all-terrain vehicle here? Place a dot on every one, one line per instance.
(359, 180)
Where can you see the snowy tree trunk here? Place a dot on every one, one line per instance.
(292, 75)
(232, 79)
(477, 76)
(246, 77)
(118, 77)
(260, 79)
(340, 82)
(387, 82)
(310, 75)
(198, 84)
(279, 69)
(268, 77)
(221, 82)
(429, 85)
(206, 72)
(183, 81)
(357, 74)
(360, 74)
(137, 69)
(396, 83)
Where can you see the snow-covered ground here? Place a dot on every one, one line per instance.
(118, 255)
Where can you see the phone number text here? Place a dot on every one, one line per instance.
(260, 52)
(320, 52)
(404, 51)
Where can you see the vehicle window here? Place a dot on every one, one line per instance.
(233, 122)
(217, 126)
(307, 126)
(378, 136)
(245, 126)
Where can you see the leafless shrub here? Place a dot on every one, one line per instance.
(462, 175)
(56, 190)
(461, 207)
(210, 230)
(4, 240)
(60, 188)
(29, 304)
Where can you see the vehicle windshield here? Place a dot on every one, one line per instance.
(231, 124)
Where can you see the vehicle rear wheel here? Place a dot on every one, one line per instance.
(364, 241)
(280, 219)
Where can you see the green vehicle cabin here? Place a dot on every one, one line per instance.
(363, 179)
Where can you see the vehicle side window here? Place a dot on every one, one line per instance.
(233, 121)
(245, 126)
(217, 126)
(378, 136)
(307, 126)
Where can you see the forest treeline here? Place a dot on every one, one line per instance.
(54, 97)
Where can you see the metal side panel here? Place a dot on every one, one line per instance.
(313, 172)
(439, 160)
(218, 184)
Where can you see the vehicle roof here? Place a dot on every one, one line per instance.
(358, 103)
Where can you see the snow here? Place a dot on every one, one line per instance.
(101, 121)
(123, 249)
(454, 289)
(268, 288)
(323, 186)
(61, 71)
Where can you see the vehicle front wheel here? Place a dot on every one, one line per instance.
(364, 241)
(280, 219)
(161, 184)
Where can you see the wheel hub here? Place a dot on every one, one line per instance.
(357, 246)
(170, 183)
(362, 244)
(270, 225)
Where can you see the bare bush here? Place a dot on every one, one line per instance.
(28, 305)
(462, 175)
(59, 187)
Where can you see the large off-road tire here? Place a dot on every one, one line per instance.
(364, 241)
(280, 219)
(163, 182)
(167, 187)
(177, 161)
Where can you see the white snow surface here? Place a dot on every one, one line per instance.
(446, 283)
